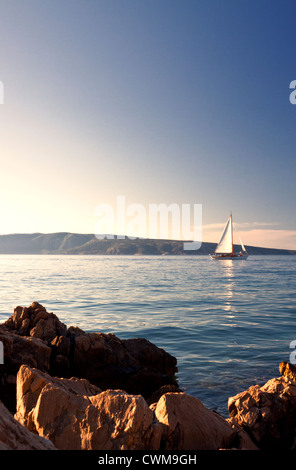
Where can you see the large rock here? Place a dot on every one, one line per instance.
(189, 425)
(30, 384)
(19, 350)
(13, 436)
(288, 370)
(122, 421)
(267, 413)
(39, 339)
(136, 365)
(75, 415)
(35, 321)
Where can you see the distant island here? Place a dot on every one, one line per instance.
(65, 243)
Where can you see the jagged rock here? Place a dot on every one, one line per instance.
(189, 425)
(267, 413)
(243, 441)
(75, 415)
(31, 382)
(19, 350)
(35, 337)
(13, 436)
(123, 421)
(35, 321)
(288, 370)
(109, 362)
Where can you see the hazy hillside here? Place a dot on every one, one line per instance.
(74, 243)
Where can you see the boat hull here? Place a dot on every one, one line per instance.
(227, 257)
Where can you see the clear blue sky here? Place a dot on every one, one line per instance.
(163, 101)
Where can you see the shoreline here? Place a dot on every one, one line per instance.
(88, 244)
(71, 389)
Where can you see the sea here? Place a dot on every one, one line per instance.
(228, 323)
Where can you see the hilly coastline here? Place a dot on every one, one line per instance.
(87, 244)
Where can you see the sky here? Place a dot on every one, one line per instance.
(159, 101)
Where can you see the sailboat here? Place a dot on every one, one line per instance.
(224, 249)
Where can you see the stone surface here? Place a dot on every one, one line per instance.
(122, 421)
(13, 436)
(39, 339)
(109, 362)
(267, 413)
(288, 370)
(19, 350)
(243, 441)
(189, 425)
(75, 415)
(35, 321)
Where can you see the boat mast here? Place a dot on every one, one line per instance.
(231, 233)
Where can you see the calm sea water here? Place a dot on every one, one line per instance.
(229, 324)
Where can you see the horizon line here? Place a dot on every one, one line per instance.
(132, 238)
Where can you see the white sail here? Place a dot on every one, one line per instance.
(240, 240)
(242, 245)
(225, 243)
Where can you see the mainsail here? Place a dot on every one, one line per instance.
(225, 244)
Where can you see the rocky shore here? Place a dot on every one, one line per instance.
(62, 388)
